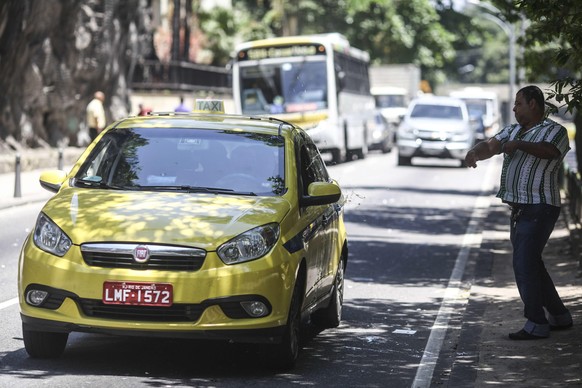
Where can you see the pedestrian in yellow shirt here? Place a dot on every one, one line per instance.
(96, 115)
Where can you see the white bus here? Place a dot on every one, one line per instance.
(318, 82)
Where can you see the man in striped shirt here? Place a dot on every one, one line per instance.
(533, 151)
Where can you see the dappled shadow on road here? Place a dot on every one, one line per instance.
(403, 245)
(416, 190)
(390, 263)
(429, 221)
(378, 344)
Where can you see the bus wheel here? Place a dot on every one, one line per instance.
(337, 156)
(362, 152)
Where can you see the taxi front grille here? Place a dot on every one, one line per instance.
(159, 263)
(163, 258)
(175, 313)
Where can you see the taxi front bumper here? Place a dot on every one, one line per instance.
(206, 303)
(270, 335)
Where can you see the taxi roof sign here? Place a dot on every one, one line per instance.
(209, 106)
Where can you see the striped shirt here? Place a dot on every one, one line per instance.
(525, 178)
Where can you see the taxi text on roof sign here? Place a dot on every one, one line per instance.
(210, 106)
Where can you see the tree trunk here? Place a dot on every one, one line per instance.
(54, 54)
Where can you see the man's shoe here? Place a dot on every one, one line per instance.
(561, 327)
(523, 335)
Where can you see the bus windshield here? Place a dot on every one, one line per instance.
(286, 87)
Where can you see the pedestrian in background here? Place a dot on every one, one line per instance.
(96, 115)
(182, 106)
(143, 110)
(533, 152)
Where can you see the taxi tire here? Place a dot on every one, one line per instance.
(285, 354)
(42, 344)
(330, 317)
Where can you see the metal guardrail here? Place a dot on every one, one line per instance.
(180, 76)
(572, 186)
(18, 171)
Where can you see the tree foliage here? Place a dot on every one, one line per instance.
(58, 52)
(554, 43)
(392, 31)
(481, 48)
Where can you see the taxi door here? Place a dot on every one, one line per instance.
(319, 236)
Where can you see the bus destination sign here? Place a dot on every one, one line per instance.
(299, 50)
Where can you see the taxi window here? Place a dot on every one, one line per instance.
(187, 160)
(312, 166)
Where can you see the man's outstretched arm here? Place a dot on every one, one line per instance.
(482, 151)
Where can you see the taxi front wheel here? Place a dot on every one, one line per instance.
(42, 344)
(284, 355)
(331, 316)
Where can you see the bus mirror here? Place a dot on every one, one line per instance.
(340, 80)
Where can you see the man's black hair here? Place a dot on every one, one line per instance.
(533, 92)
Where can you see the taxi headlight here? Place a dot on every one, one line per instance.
(49, 237)
(250, 245)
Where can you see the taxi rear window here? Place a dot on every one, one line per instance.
(176, 158)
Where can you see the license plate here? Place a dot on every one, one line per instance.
(431, 148)
(433, 145)
(138, 294)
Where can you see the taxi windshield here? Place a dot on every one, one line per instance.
(186, 160)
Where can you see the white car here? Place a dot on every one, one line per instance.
(436, 126)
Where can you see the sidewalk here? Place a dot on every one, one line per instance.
(30, 189)
(33, 162)
(485, 355)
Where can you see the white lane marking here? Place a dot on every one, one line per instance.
(451, 299)
(404, 331)
(8, 303)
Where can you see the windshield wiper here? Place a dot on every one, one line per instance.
(97, 184)
(195, 189)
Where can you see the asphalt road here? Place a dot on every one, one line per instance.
(410, 229)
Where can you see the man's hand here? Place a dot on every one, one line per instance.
(471, 158)
(509, 147)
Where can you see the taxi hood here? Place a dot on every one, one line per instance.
(198, 220)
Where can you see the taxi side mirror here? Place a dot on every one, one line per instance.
(52, 180)
(321, 193)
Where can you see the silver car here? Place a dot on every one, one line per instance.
(436, 127)
(383, 134)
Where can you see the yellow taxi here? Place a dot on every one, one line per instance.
(197, 225)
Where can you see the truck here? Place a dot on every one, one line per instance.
(483, 105)
(393, 87)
